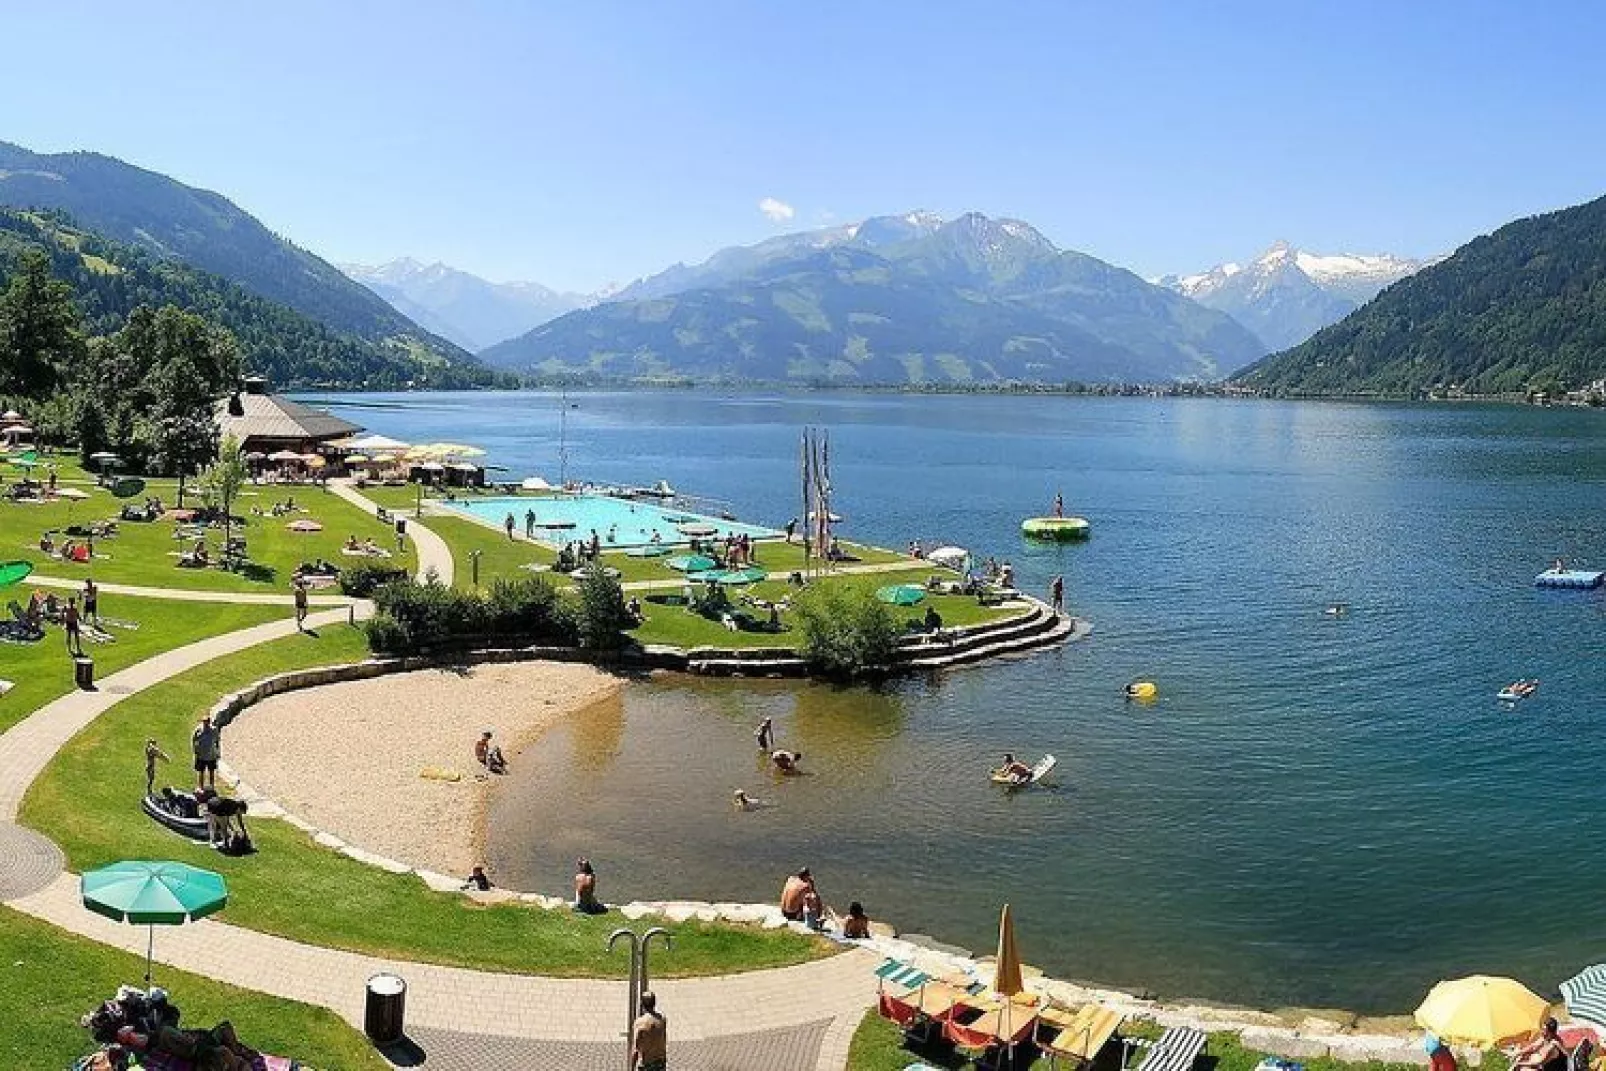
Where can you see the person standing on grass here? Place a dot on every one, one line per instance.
(70, 622)
(153, 755)
(649, 1037)
(300, 592)
(207, 744)
(507, 525)
(529, 524)
(91, 601)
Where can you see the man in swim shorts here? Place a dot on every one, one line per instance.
(792, 893)
(649, 1037)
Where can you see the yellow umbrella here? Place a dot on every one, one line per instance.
(1006, 972)
(1481, 1010)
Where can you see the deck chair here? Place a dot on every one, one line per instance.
(1176, 1050)
(1079, 1037)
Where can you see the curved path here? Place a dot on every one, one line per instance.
(433, 553)
(792, 1019)
(254, 598)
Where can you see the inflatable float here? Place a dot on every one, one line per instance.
(1040, 771)
(1142, 690)
(1059, 529)
(174, 816)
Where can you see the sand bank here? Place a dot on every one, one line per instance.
(348, 757)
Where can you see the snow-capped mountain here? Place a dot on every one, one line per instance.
(471, 311)
(1286, 295)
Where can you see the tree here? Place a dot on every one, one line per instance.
(41, 331)
(602, 614)
(221, 483)
(847, 631)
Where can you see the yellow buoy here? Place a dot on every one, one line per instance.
(1142, 690)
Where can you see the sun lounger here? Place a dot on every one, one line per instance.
(1177, 1050)
(1077, 1036)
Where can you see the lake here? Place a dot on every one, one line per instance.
(1318, 811)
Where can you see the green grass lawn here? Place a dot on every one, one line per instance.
(48, 978)
(145, 554)
(499, 556)
(42, 671)
(671, 624)
(878, 1046)
(87, 801)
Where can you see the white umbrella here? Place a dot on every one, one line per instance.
(952, 557)
(535, 483)
(284, 455)
(433, 466)
(371, 443)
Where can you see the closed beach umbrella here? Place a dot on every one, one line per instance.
(1481, 1010)
(901, 594)
(1006, 972)
(1585, 994)
(146, 893)
(690, 563)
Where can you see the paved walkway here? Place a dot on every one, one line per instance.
(254, 598)
(433, 553)
(793, 1019)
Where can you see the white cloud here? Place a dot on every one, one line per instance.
(776, 211)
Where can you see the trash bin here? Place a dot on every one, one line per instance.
(84, 673)
(385, 1010)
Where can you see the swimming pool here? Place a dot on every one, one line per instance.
(618, 522)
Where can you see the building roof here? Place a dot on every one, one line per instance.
(272, 416)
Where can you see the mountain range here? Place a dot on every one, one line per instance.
(1286, 295)
(208, 232)
(891, 300)
(468, 310)
(1521, 309)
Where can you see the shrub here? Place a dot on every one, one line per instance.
(530, 608)
(361, 580)
(602, 618)
(846, 630)
(412, 616)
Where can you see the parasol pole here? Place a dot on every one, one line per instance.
(150, 951)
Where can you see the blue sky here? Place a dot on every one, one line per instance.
(581, 143)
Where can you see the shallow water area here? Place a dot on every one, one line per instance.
(1319, 810)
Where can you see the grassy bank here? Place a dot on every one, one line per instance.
(43, 671)
(87, 801)
(147, 553)
(52, 977)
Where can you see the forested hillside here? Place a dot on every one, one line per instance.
(1521, 309)
(110, 279)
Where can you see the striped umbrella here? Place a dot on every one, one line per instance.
(1585, 994)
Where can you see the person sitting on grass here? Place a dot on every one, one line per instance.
(489, 755)
(585, 889)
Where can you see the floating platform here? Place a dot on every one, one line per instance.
(1570, 578)
(1063, 529)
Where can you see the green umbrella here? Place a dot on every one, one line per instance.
(128, 486)
(901, 594)
(12, 572)
(153, 894)
(690, 563)
(751, 575)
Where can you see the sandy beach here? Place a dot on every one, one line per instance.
(348, 757)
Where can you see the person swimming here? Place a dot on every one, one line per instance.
(786, 761)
